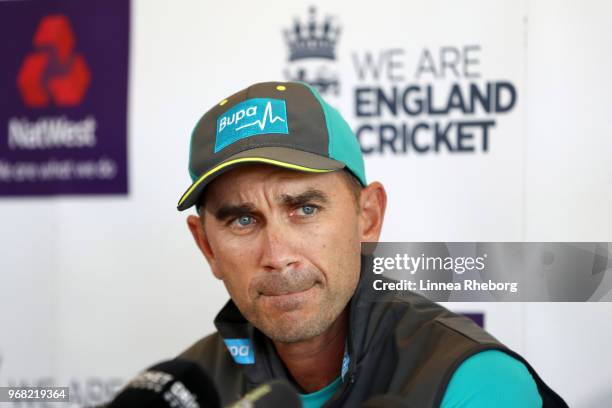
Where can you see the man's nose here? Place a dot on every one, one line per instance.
(278, 252)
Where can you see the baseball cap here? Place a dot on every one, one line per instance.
(285, 124)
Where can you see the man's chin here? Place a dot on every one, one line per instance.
(293, 327)
(289, 336)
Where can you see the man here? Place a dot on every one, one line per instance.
(283, 204)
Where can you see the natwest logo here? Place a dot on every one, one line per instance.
(53, 71)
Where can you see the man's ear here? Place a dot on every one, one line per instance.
(201, 239)
(372, 205)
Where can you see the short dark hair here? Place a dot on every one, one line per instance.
(352, 183)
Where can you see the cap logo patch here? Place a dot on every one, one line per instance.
(249, 118)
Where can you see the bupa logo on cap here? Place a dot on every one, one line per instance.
(241, 350)
(249, 118)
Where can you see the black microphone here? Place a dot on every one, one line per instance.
(176, 383)
(275, 394)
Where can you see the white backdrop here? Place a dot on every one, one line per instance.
(95, 289)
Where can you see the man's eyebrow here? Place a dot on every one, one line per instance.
(230, 210)
(309, 196)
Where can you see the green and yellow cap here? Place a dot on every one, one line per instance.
(285, 124)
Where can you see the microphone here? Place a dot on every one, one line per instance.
(274, 394)
(182, 383)
(176, 383)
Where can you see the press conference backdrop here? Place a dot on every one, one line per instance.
(486, 121)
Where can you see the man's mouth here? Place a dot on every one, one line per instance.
(286, 300)
(285, 289)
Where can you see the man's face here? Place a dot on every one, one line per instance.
(286, 245)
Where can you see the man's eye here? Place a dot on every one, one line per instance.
(307, 210)
(244, 220)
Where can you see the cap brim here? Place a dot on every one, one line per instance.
(275, 156)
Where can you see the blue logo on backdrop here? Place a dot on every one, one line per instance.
(249, 118)
(241, 350)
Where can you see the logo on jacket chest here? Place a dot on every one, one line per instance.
(241, 350)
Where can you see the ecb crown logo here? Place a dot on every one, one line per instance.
(53, 71)
(312, 52)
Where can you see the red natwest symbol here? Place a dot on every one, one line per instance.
(53, 71)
